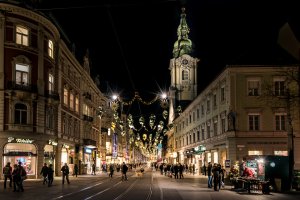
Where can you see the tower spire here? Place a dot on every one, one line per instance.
(183, 45)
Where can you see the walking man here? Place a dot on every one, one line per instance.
(65, 173)
(7, 171)
(124, 171)
(50, 173)
(44, 172)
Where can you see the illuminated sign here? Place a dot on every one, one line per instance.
(52, 142)
(87, 150)
(20, 140)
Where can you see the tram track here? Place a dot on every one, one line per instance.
(113, 189)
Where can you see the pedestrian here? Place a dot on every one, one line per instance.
(65, 173)
(75, 170)
(7, 172)
(204, 169)
(124, 171)
(50, 173)
(16, 177)
(93, 169)
(23, 174)
(216, 177)
(181, 170)
(111, 170)
(209, 175)
(44, 173)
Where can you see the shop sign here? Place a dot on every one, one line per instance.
(20, 140)
(87, 150)
(227, 163)
(65, 146)
(200, 149)
(52, 142)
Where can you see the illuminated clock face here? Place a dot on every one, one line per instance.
(184, 61)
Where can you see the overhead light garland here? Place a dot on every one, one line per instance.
(146, 132)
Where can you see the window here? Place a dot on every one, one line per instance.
(51, 83)
(49, 118)
(198, 113)
(22, 74)
(208, 106)
(50, 48)
(280, 122)
(22, 35)
(202, 110)
(215, 128)
(222, 94)
(253, 87)
(279, 88)
(202, 133)
(86, 110)
(77, 104)
(20, 114)
(66, 94)
(71, 101)
(198, 136)
(253, 122)
(187, 140)
(222, 125)
(215, 101)
(185, 75)
(208, 130)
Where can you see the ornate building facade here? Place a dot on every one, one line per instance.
(49, 104)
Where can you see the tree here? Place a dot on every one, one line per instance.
(286, 92)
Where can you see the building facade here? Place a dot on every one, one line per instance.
(49, 104)
(243, 112)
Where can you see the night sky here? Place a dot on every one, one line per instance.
(130, 41)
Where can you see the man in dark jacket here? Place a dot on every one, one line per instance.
(50, 173)
(44, 173)
(7, 170)
(124, 171)
(65, 173)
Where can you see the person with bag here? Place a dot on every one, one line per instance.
(7, 172)
(65, 173)
(44, 172)
(23, 175)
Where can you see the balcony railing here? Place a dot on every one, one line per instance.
(12, 85)
(53, 95)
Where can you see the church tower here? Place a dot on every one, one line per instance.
(183, 69)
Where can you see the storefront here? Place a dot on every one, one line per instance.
(21, 150)
(49, 153)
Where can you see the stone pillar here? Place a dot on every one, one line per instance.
(2, 28)
(58, 160)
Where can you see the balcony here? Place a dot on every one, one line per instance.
(12, 85)
(52, 95)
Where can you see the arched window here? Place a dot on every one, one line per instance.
(20, 114)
